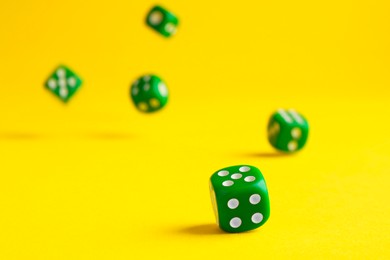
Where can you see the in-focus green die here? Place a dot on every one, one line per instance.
(239, 197)
(162, 21)
(288, 130)
(149, 93)
(63, 83)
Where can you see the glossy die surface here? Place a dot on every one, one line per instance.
(288, 130)
(239, 197)
(162, 21)
(63, 83)
(149, 94)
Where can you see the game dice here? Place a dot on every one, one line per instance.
(63, 83)
(149, 93)
(288, 130)
(162, 21)
(240, 199)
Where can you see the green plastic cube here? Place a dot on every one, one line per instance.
(162, 21)
(288, 130)
(63, 83)
(149, 94)
(240, 199)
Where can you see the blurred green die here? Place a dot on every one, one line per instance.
(240, 198)
(63, 83)
(288, 130)
(149, 93)
(162, 21)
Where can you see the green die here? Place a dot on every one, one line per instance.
(149, 94)
(287, 130)
(63, 83)
(162, 21)
(240, 199)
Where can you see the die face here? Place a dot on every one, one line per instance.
(288, 131)
(149, 94)
(240, 198)
(162, 21)
(63, 83)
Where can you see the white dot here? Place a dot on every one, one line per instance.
(227, 183)
(63, 92)
(249, 179)
(154, 103)
(135, 91)
(292, 145)
(235, 222)
(296, 133)
(155, 18)
(143, 106)
(146, 87)
(62, 83)
(257, 218)
(52, 84)
(223, 173)
(254, 199)
(162, 89)
(170, 28)
(244, 169)
(146, 78)
(236, 176)
(72, 82)
(233, 203)
(61, 73)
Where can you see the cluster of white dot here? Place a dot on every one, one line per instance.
(256, 218)
(253, 199)
(296, 132)
(233, 203)
(153, 102)
(156, 18)
(236, 221)
(62, 83)
(236, 176)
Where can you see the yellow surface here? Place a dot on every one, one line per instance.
(95, 179)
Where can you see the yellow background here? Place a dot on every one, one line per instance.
(95, 179)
